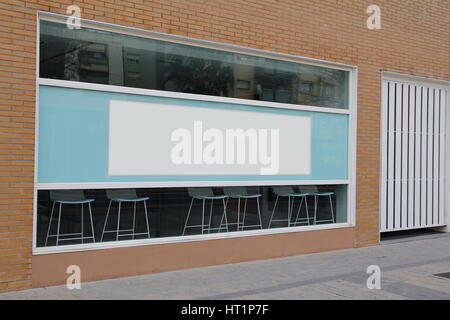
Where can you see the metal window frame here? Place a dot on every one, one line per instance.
(352, 134)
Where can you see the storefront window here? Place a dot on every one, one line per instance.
(94, 56)
(93, 216)
(289, 165)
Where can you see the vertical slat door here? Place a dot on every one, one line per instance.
(423, 161)
(413, 155)
(442, 116)
(417, 157)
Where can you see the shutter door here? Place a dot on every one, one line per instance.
(413, 155)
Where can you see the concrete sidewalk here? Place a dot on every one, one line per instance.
(408, 268)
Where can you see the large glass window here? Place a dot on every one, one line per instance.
(91, 216)
(92, 137)
(94, 56)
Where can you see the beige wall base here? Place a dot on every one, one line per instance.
(50, 269)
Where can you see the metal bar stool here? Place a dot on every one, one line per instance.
(241, 193)
(286, 191)
(205, 194)
(69, 197)
(125, 195)
(298, 219)
(314, 191)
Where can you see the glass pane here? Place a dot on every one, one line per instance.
(87, 216)
(95, 56)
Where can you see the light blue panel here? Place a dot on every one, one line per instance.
(73, 138)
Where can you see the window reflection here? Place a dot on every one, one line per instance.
(94, 56)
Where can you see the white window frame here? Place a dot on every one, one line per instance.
(351, 112)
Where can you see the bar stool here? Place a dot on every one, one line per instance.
(241, 193)
(314, 191)
(127, 196)
(205, 194)
(69, 197)
(286, 191)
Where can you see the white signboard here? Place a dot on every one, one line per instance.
(165, 139)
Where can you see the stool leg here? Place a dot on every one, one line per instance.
(187, 218)
(92, 222)
(315, 208)
(203, 215)
(106, 220)
(259, 214)
(331, 206)
(210, 216)
(289, 211)
(273, 211)
(306, 207)
(146, 218)
(243, 218)
(292, 211)
(223, 217)
(50, 223)
(239, 214)
(59, 223)
(298, 211)
(134, 220)
(82, 223)
(225, 214)
(118, 222)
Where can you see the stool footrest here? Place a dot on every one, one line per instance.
(77, 238)
(133, 234)
(324, 220)
(121, 230)
(64, 234)
(127, 234)
(252, 226)
(197, 226)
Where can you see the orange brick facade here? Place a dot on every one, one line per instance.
(414, 39)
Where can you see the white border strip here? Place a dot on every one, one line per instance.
(184, 96)
(184, 183)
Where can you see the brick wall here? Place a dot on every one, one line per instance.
(413, 40)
